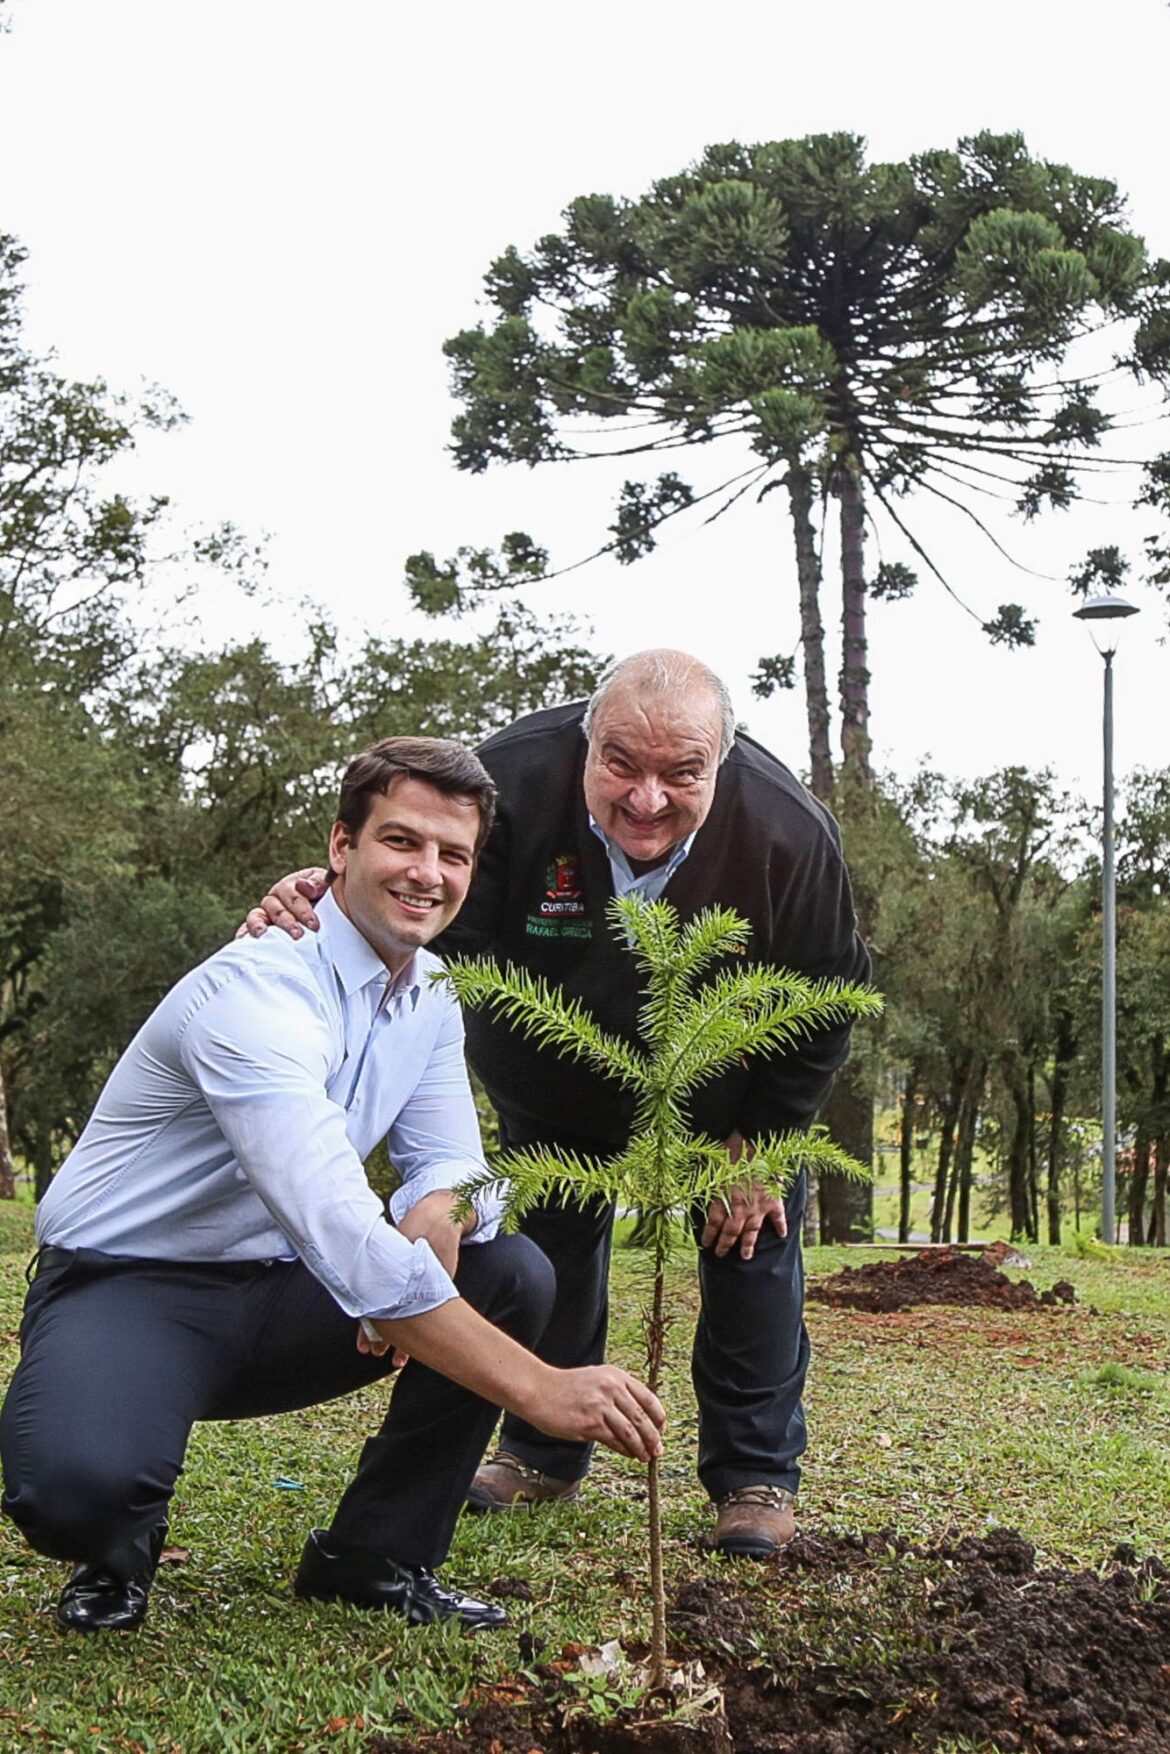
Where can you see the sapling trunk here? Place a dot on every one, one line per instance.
(655, 1344)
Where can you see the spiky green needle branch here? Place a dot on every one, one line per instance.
(688, 1034)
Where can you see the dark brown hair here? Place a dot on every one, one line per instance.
(438, 761)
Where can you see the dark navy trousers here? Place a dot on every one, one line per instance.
(751, 1348)
(119, 1358)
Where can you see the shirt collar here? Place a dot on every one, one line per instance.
(354, 957)
(617, 857)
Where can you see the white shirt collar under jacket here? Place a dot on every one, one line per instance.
(650, 884)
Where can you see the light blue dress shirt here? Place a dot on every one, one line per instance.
(651, 883)
(236, 1124)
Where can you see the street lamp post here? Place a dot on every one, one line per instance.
(1101, 609)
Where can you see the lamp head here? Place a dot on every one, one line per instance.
(1107, 608)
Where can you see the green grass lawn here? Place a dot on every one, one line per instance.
(937, 1422)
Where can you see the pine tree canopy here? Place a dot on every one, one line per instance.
(909, 323)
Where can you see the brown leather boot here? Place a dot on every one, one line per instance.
(755, 1521)
(507, 1483)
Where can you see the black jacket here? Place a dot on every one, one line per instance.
(768, 849)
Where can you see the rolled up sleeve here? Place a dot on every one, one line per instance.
(258, 1048)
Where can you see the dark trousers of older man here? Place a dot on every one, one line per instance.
(120, 1358)
(751, 1349)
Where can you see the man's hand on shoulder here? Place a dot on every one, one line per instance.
(288, 904)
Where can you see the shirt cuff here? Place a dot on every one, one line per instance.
(488, 1204)
(428, 1286)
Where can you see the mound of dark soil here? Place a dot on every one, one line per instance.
(1051, 1661)
(986, 1651)
(933, 1276)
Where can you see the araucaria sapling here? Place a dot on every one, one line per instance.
(689, 1031)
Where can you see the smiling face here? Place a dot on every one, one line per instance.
(651, 768)
(404, 876)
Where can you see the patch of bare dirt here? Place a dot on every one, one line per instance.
(976, 1645)
(933, 1276)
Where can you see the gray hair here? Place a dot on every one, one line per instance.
(663, 671)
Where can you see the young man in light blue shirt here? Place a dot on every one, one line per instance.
(211, 1248)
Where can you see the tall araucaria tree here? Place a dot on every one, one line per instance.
(862, 330)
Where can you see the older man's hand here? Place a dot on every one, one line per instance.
(737, 1218)
(288, 904)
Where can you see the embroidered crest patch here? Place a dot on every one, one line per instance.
(561, 912)
(563, 878)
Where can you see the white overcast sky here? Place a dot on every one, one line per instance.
(280, 210)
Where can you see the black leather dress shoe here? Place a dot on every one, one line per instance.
(332, 1572)
(94, 1600)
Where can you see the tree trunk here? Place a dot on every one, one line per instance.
(1033, 1178)
(42, 1160)
(811, 1229)
(1077, 1191)
(966, 1159)
(855, 744)
(965, 1152)
(909, 1092)
(799, 482)
(1139, 1181)
(965, 1144)
(1019, 1203)
(1160, 1068)
(655, 1347)
(952, 1188)
(946, 1148)
(7, 1167)
(1158, 1213)
(846, 1205)
(1055, 1128)
(1064, 1050)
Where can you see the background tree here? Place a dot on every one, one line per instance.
(151, 790)
(66, 823)
(69, 550)
(152, 817)
(117, 950)
(893, 858)
(855, 331)
(980, 947)
(1143, 1004)
(860, 330)
(1008, 838)
(469, 688)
